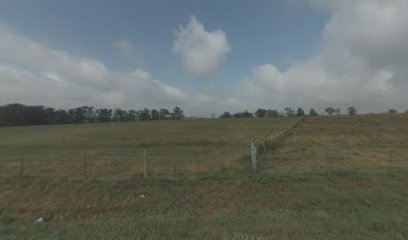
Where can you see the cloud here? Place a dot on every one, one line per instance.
(201, 51)
(34, 73)
(125, 46)
(34, 55)
(363, 62)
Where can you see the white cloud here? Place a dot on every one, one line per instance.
(124, 46)
(30, 54)
(201, 51)
(363, 62)
(33, 73)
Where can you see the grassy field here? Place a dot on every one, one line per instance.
(334, 178)
(344, 142)
(116, 150)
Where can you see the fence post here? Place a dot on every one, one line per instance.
(145, 163)
(22, 166)
(85, 173)
(253, 155)
(198, 165)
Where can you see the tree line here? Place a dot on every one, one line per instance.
(19, 114)
(289, 112)
(261, 113)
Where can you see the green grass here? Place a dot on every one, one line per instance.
(116, 150)
(344, 142)
(326, 181)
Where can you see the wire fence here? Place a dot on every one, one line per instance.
(104, 162)
(146, 162)
(271, 142)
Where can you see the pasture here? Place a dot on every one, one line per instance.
(342, 177)
(117, 150)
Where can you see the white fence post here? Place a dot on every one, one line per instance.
(253, 155)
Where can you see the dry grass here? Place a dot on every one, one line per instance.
(332, 179)
(116, 150)
(344, 142)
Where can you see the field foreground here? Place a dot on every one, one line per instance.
(334, 178)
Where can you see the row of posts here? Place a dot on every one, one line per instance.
(85, 165)
(253, 145)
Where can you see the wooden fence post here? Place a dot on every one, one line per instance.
(198, 165)
(145, 163)
(85, 166)
(22, 166)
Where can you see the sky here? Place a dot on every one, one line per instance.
(205, 56)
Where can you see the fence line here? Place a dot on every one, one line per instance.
(258, 147)
(121, 164)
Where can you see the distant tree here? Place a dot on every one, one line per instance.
(289, 112)
(164, 114)
(120, 115)
(155, 115)
(272, 113)
(49, 115)
(125, 116)
(117, 114)
(71, 115)
(61, 117)
(313, 112)
(352, 110)
(248, 114)
(392, 111)
(178, 113)
(133, 116)
(37, 115)
(89, 114)
(19, 114)
(15, 114)
(144, 115)
(300, 112)
(104, 115)
(330, 110)
(79, 115)
(244, 114)
(11, 115)
(260, 113)
(226, 115)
